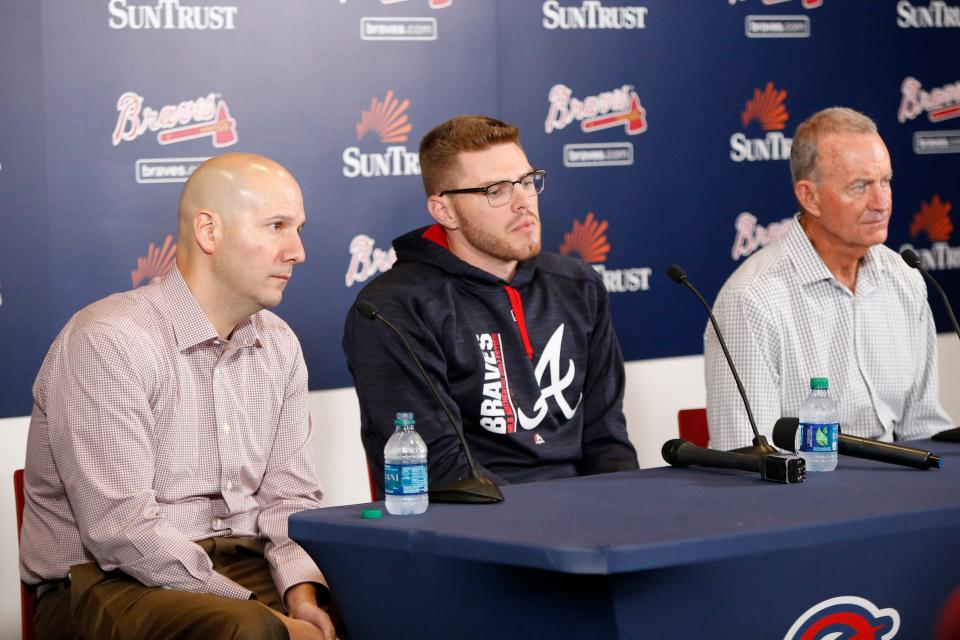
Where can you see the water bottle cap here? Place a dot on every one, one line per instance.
(819, 384)
(404, 417)
(371, 514)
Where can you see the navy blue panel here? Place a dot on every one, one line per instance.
(24, 250)
(342, 92)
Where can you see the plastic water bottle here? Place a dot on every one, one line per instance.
(405, 469)
(819, 428)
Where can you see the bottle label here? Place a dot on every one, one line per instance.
(405, 479)
(818, 437)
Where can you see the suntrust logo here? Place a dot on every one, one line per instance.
(768, 110)
(204, 117)
(591, 14)
(933, 221)
(619, 107)
(588, 240)
(388, 120)
(156, 263)
(937, 14)
(170, 14)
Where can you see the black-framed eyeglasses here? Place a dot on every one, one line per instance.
(500, 193)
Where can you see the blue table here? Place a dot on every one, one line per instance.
(661, 553)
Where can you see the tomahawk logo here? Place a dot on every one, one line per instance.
(550, 364)
(941, 103)
(616, 108)
(845, 617)
(187, 120)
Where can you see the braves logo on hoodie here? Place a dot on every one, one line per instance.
(497, 411)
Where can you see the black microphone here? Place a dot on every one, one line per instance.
(785, 437)
(773, 467)
(912, 259)
(477, 489)
(760, 444)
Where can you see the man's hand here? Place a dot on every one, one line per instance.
(307, 619)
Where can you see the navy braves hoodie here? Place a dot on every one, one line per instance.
(531, 367)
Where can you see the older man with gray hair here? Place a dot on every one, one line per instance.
(829, 300)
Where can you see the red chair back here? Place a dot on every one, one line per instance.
(26, 593)
(693, 426)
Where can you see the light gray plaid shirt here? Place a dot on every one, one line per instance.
(150, 432)
(786, 319)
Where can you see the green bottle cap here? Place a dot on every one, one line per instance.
(371, 514)
(404, 417)
(819, 384)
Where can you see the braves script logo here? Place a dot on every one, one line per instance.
(942, 103)
(156, 263)
(207, 116)
(389, 121)
(620, 107)
(366, 261)
(845, 617)
(497, 411)
(588, 239)
(767, 109)
(752, 236)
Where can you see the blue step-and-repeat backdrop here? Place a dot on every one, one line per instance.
(664, 126)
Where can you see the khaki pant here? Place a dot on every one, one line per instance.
(117, 607)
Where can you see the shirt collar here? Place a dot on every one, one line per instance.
(810, 267)
(191, 326)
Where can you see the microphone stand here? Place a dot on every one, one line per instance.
(912, 259)
(477, 489)
(760, 446)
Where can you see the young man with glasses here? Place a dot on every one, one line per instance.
(519, 342)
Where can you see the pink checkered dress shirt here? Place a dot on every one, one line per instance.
(149, 432)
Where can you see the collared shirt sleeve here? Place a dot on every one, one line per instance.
(753, 340)
(101, 423)
(922, 415)
(289, 484)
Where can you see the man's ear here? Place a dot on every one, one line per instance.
(208, 230)
(808, 196)
(443, 214)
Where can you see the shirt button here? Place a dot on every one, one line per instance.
(226, 428)
(229, 485)
(217, 523)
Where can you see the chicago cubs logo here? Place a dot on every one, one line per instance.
(845, 618)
